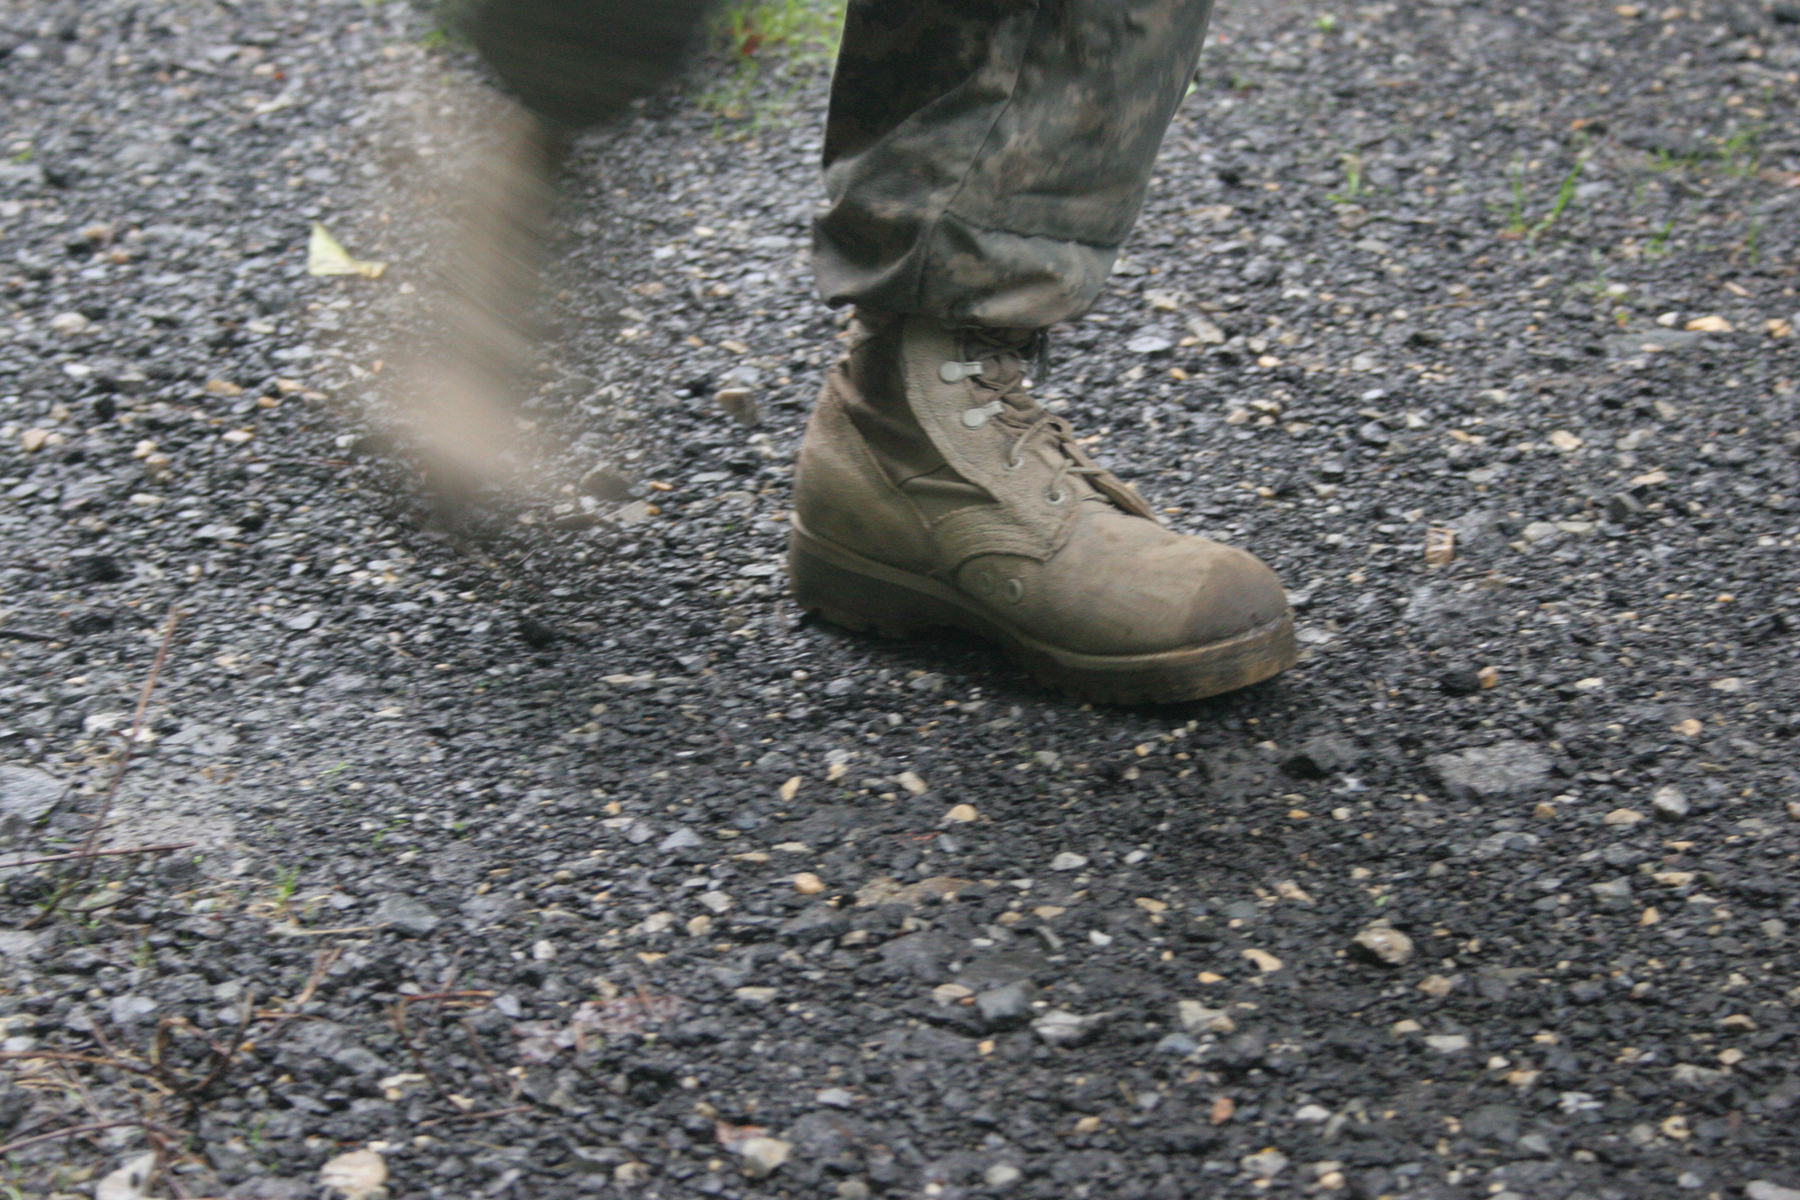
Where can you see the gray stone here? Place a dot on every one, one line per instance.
(1006, 1006)
(763, 1155)
(490, 908)
(635, 513)
(1001, 1176)
(27, 796)
(1176, 1043)
(921, 955)
(681, 839)
(1762, 1189)
(1614, 894)
(273, 1187)
(313, 1040)
(1322, 757)
(18, 943)
(123, 1010)
(606, 483)
(1494, 1123)
(1504, 771)
(1059, 1028)
(1620, 509)
(1506, 842)
(1669, 802)
(814, 923)
(406, 913)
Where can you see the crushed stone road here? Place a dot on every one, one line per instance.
(553, 854)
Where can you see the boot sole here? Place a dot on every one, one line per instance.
(858, 593)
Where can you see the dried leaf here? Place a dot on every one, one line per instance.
(1262, 960)
(731, 1135)
(324, 256)
(130, 1181)
(358, 1175)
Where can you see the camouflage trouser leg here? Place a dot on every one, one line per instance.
(985, 158)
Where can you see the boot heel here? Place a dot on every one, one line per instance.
(860, 599)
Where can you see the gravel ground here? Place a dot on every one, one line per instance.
(550, 853)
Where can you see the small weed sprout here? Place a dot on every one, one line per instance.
(1565, 194)
(1353, 180)
(1658, 244)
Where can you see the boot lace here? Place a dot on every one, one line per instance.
(1010, 351)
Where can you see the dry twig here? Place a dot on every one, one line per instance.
(75, 1130)
(50, 858)
(86, 855)
(476, 1116)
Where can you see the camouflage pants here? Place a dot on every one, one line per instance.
(984, 159)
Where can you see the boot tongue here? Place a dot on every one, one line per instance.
(1005, 373)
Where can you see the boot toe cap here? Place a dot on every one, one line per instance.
(1232, 593)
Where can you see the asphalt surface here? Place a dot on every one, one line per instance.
(546, 851)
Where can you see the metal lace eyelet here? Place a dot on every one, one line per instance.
(1055, 497)
(1015, 591)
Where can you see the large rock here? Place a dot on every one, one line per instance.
(1503, 771)
(26, 796)
(406, 913)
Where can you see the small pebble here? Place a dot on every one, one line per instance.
(1670, 802)
(962, 814)
(1385, 945)
(808, 884)
(1436, 986)
(740, 404)
(1068, 861)
(1622, 816)
(1006, 1005)
(1264, 1165)
(1002, 1175)
(1263, 961)
(1196, 1017)
(1059, 1028)
(762, 1155)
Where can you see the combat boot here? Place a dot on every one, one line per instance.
(932, 490)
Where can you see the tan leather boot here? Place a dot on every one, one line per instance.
(931, 490)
